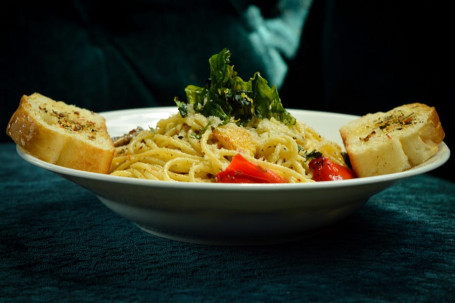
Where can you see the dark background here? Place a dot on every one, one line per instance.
(366, 56)
(355, 56)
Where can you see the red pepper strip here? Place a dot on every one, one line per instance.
(243, 171)
(325, 170)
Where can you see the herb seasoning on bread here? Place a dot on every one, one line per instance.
(62, 134)
(393, 141)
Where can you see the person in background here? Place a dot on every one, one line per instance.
(109, 55)
(341, 56)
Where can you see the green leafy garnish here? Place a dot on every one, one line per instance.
(312, 155)
(198, 135)
(227, 95)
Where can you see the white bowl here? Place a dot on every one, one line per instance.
(232, 214)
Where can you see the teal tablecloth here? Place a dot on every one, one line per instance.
(59, 243)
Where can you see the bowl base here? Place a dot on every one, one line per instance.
(230, 241)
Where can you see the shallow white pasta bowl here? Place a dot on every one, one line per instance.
(232, 214)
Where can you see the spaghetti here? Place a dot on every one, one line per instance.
(195, 148)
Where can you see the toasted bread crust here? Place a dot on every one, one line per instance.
(394, 141)
(53, 144)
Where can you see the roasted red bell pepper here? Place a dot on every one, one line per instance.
(325, 170)
(240, 170)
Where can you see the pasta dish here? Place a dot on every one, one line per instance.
(201, 141)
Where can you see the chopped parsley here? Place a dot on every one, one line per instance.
(312, 155)
(198, 134)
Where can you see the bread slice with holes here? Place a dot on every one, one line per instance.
(62, 134)
(394, 141)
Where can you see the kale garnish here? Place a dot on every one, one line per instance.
(227, 95)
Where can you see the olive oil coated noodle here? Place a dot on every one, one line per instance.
(196, 148)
